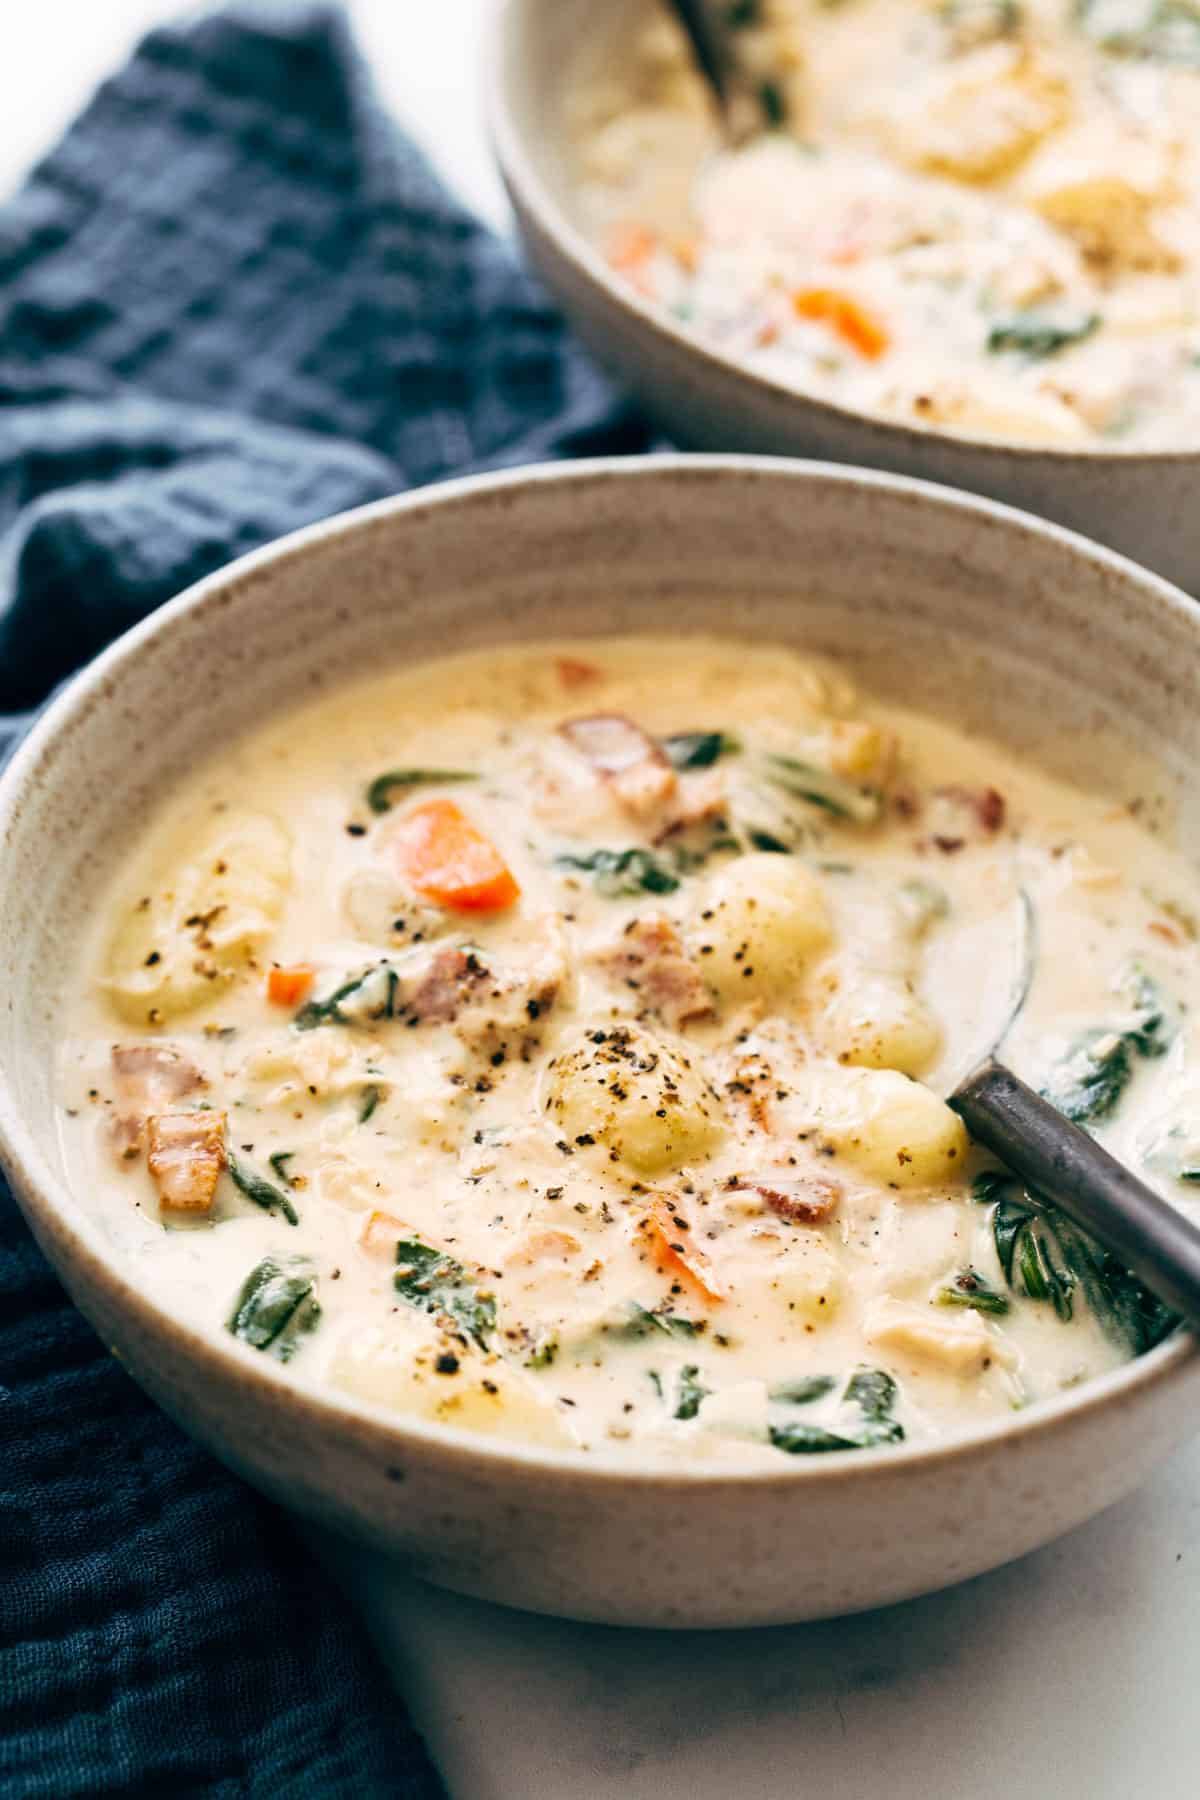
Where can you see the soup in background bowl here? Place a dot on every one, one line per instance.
(494, 1099)
(964, 247)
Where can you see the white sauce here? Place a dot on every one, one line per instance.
(983, 215)
(787, 976)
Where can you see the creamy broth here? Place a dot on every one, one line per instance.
(980, 215)
(549, 1041)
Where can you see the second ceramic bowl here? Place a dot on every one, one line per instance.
(1140, 502)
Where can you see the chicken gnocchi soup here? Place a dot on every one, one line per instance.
(550, 1042)
(977, 215)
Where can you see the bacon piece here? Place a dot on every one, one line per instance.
(453, 979)
(187, 1154)
(149, 1077)
(801, 1199)
(985, 807)
(649, 957)
(637, 769)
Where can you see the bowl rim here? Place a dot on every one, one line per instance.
(531, 194)
(46, 1196)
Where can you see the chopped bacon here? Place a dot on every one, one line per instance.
(649, 957)
(985, 808)
(148, 1078)
(700, 798)
(187, 1154)
(453, 979)
(637, 769)
(801, 1199)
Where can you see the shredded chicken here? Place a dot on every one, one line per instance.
(187, 1154)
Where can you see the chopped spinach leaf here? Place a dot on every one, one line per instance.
(974, 22)
(774, 106)
(1089, 1080)
(699, 749)
(371, 1096)
(810, 1440)
(379, 794)
(264, 1193)
(803, 1391)
(619, 873)
(435, 1283)
(765, 840)
(639, 1322)
(969, 1288)
(543, 1351)
(1152, 1029)
(279, 1161)
(1157, 30)
(276, 1306)
(821, 787)
(1040, 334)
(690, 1392)
(1048, 1258)
(375, 993)
(874, 1394)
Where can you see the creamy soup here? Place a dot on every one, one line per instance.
(550, 1042)
(980, 215)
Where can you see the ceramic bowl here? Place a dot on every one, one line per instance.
(1141, 502)
(979, 613)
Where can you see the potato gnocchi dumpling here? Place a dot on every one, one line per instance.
(201, 921)
(599, 1128)
(643, 1099)
(763, 919)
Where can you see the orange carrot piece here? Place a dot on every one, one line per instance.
(852, 322)
(630, 245)
(674, 1247)
(288, 987)
(450, 861)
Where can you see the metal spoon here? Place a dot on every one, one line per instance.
(1064, 1162)
(745, 105)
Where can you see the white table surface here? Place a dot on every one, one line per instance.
(1072, 1675)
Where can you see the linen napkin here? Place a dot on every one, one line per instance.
(232, 300)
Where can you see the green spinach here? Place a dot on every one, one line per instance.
(1039, 334)
(690, 1392)
(277, 1305)
(699, 749)
(620, 873)
(435, 1283)
(379, 794)
(264, 1193)
(968, 1288)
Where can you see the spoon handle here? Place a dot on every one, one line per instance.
(707, 43)
(1094, 1190)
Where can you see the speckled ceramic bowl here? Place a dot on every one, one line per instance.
(1140, 502)
(956, 605)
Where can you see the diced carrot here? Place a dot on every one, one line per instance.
(574, 673)
(450, 861)
(630, 245)
(288, 987)
(674, 1247)
(381, 1233)
(852, 322)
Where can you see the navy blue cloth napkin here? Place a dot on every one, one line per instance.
(232, 300)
